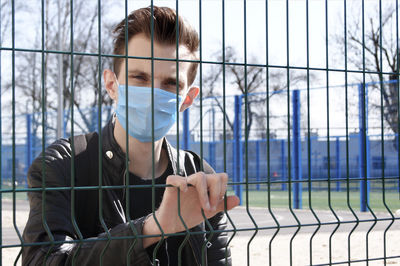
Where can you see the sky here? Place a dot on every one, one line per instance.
(28, 22)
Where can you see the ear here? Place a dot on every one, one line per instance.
(190, 96)
(111, 84)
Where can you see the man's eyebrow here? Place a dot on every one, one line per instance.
(138, 72)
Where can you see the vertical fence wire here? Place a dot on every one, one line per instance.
(177, 44)
(309, 136)
(203, 248)
(13, 133)
(73, 189)
(347, 135)
(270, 211)
(328, 133)
(246, 135)
(152, 135)
(365, 133)
(290, 172)
(43, 86)
(126, 173)
(224, 129)
(153, 166)
(100, 141)
(382, 138)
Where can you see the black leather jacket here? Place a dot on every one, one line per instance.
(58, 225)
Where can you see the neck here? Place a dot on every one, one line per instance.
(140, 154)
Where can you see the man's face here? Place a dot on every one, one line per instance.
(164, 75)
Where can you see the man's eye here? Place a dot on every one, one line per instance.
(139, 77)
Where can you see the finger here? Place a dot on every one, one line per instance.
(199, 181)
(224, 183)
(177, 181)
(231, 202)
(214, 189)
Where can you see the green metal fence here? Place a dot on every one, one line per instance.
(354, 42)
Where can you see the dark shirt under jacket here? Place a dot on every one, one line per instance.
(141, 205)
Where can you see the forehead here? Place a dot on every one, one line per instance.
(140, 46)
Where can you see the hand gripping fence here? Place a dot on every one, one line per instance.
(298, 103)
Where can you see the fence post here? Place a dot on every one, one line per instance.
(186, 130)
(338, 172)
(297, 173)
(28, 141)
(258, 164)
(238, 154)
(283, 165)
(363, 149)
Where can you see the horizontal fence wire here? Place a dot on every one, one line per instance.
(311, 149)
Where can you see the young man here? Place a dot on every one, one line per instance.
(55, 228)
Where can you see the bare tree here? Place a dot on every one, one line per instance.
(5, 28)
(80, 76)
(380, 47)
(253, 82)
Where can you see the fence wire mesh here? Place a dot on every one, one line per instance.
(298, 103)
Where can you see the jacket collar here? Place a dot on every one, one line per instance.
(115, 157)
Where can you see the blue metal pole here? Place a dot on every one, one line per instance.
(297, 173)
(211, 154)
(28, 141)
(311, 165)
(363, 169)
(186, 130)
(283, 165)
(368, 186)
(338, 172)
(238, 154)
(211, 146)
(398, 172)
(368, 170)
(258, 164)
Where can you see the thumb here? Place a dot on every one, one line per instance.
(231, 202)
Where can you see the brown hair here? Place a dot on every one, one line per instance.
(164, 33)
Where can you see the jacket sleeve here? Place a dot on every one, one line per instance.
(50, 225)
(219, 252)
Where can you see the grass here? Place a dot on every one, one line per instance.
(280, 199)
(320, 200)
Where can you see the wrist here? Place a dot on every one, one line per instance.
(150, 228)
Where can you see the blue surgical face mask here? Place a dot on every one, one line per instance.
(140, 109)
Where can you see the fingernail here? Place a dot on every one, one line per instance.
(214, 208)
(208, 207)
